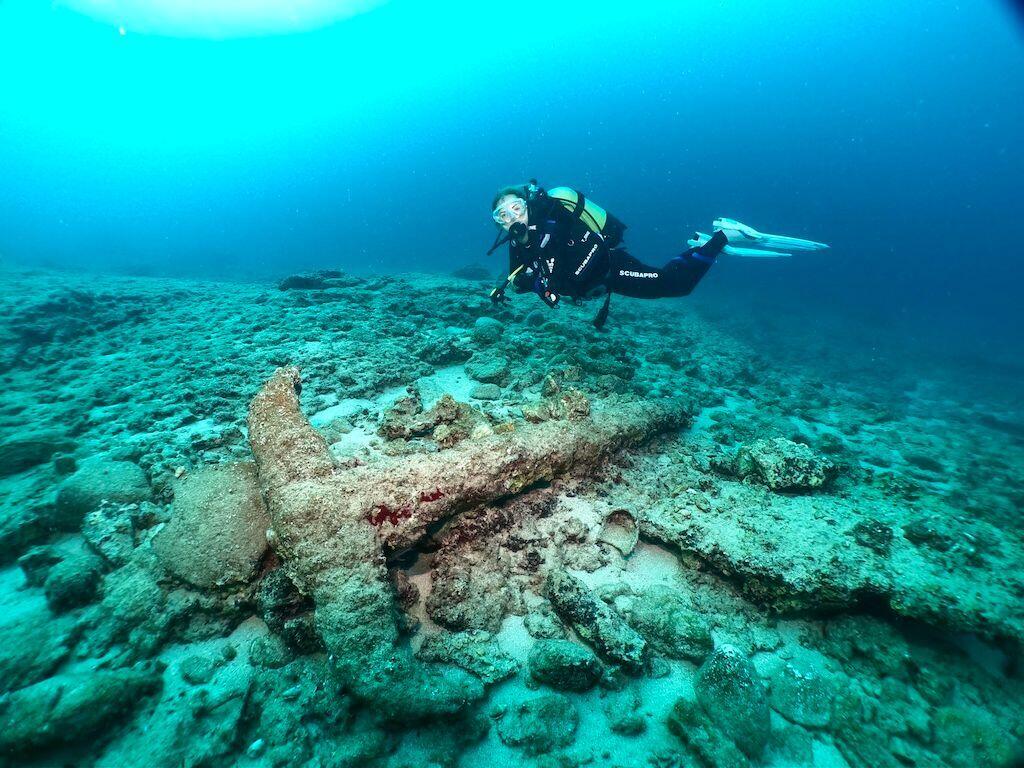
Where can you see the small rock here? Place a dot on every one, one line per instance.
(539, 725)
(269, 651)
(486, 392)
(29, 450)
(66, 708)
(802, 690)
(564, 665)
(543, 624)
(594, 621)
(731, 694)
(218, 529)
(487, 330)
(474, 651)
(98, 480)
(489, 370)
(109, 531)
(783, 465)
(73, 582)
(198, 669)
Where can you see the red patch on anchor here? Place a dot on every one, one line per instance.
(382, 513)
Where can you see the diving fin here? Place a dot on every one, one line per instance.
(738, 233)
(699, 239)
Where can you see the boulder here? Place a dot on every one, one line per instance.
(730, 693)
(694, 728)
(594, 621)
(217, 533)
(34, 644)
(783, 465)
(668, 621)
(539, 725)
(486, 392)
(803, 689)
(475, 651)
(67, 708)
(473, 272)
(31, 449)
(74, 581)
(22, 525)
(488, 369)
(487, 330)
(564, 665)
(98, 480)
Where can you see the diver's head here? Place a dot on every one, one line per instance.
(510, 209)
(512, 214)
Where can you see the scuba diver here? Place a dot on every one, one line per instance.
(563, 244)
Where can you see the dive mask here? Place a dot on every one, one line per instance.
(511, 211)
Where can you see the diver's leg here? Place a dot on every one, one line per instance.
(630, 277)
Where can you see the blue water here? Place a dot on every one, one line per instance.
(374, 143)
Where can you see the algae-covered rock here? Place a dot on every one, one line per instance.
(474, 651)
(594, 621)
(28, 450)
(287, 611)
(802, 690)
(539, 725)
(542, 624)
(110, 531)
(486, 392)
(564, 665)
(783, 465)
(694, 727)
(74, 581)
(70, 707)
(488, 369)
(98, 480)
(218, 529)
(622, 709)
(968, 736)
(731, 694)
(468, 595)
(191, 725)
(22, 525)
(487, 330)
(34, 644)
(668, 621)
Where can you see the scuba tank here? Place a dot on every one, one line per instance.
(542, 204)
(596, 218)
